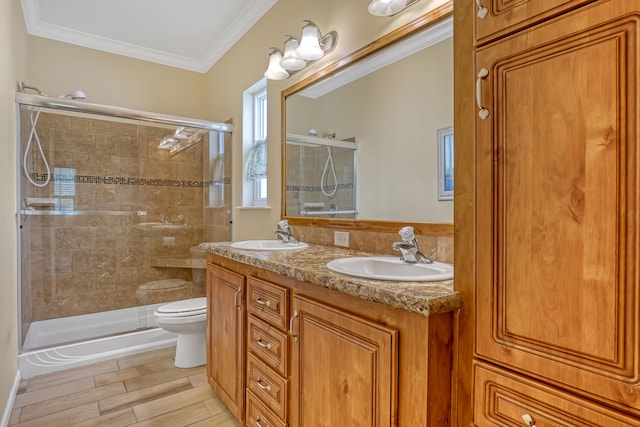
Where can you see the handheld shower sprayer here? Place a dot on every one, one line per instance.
(76, 95)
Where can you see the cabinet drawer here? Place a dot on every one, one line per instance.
(259, 416)
(269, 344)
(502, 399)
(267, 385)
(269, 302)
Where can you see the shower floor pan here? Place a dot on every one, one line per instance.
(41, 354)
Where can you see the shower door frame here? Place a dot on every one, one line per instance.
(65, 104)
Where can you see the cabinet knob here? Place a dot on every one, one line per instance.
(528, 420)
(482, 11)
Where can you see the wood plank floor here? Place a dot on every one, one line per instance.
(141, 390)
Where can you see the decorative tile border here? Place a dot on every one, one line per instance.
(91, 179)
(317, 188)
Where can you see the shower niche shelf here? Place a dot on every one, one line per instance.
(186, 261)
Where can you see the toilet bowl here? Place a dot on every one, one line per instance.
(188, 319)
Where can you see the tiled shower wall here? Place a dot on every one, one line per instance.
(131, 215)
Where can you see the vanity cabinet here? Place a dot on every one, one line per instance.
(226, 337)
(316, 356)
(344, 369)
(558, 222)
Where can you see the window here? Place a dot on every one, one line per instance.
(260, 136)
(255, 144)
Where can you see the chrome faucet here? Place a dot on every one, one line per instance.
(284, 231)
(408, 248)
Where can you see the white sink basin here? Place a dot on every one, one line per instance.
(267, 245)
(391, 268)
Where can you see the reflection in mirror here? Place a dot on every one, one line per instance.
(392, 108)
(445, 164)
(320, 176)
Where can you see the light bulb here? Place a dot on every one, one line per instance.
(275, 71)
(386, 7)
(290, 61)
(309, 48)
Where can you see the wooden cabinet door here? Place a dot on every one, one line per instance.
(344, 370)
(557, 185)
(496, 18)
(226, 337)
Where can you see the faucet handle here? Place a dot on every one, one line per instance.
(407, 233)
(283, 224)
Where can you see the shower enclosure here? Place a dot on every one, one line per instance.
(320, 177)
(113, 204)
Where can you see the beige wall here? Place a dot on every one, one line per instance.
(57, 68)
(13, 48)
(245, 63)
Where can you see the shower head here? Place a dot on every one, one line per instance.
(180, 140)
(77, 95)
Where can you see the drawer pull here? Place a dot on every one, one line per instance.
(266, 303)
(263, 387)
(483, 112)
(482, 11)
(258, 422)
(528, 420)
(263, 345)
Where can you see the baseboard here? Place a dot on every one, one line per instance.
(12, 398)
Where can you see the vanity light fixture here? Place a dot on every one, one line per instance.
(298, 54)
(389, 7)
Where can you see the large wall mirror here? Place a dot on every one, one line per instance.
(361, 136)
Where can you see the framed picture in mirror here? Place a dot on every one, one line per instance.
(445, 163)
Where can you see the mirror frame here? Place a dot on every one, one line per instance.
(420, 23)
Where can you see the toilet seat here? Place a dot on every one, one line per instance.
(183, 308)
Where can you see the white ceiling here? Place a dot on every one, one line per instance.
(187, 34)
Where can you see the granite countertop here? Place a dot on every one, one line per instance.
(309, 265)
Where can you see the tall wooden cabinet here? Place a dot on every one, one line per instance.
(226, 329)
(557, 290)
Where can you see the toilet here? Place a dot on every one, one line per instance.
(188, 319)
